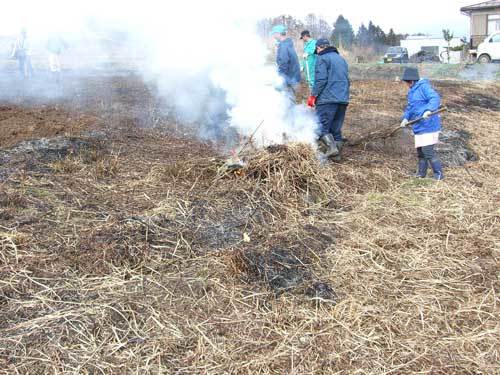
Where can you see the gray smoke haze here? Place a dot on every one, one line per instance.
(481, 72)
(205, 60)
(210, 67)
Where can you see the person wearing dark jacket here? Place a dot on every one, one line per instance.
(330, 96)
(286, 58)
(422, 101)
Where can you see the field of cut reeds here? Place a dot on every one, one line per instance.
(131, 251)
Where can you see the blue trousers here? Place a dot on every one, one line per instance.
(331, 118)
(426, 152)
(25, 67)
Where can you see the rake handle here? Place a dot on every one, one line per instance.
(440, 110)
(412, 122)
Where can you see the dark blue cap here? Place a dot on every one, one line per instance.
(410, 74)
(322, 42)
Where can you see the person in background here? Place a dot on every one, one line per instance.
(55, 47)
(422, 101)
(309, 57)
(330, 96)
(286, 59)
(22, 53)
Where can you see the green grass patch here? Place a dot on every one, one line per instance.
(418, 182)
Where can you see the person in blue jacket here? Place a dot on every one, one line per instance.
(330, 96)
(286, 59)
(422, 101)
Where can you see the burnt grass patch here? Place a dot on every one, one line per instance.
(39, 155)
(474, 101)
(454, 148)
(483, 101)
(283, 270)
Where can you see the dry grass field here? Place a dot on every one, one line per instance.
(125, 248)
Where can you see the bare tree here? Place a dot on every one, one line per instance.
(448, 36)
(317, 26)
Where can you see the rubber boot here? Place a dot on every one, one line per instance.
(422, 168)
(340, 146)
(331, 145)
(322, 147)
(437, 168)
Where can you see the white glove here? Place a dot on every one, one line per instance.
(305, 55)
(404, 123)
(426, 115)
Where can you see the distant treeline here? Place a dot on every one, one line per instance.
(341, 33)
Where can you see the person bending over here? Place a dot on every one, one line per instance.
(422, 101)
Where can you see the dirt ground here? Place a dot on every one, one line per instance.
(19, 124)
(124, 248)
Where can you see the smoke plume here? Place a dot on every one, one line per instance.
(206, 60)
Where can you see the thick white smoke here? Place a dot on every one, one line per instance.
(206, 60)
(196, 56)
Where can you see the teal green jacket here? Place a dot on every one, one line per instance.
(309, 62)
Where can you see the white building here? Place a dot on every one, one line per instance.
(435, 45)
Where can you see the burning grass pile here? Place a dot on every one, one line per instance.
(140, 257)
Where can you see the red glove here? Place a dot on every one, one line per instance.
(311, 102)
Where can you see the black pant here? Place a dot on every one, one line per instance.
(426, 152)
(331, 118)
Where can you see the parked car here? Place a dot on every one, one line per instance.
(489, 50)
(424, 57)
(398, 55)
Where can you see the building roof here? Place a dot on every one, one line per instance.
(481, 6)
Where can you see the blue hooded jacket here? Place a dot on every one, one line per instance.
(331, 82)
(288, 62)
(422, 98)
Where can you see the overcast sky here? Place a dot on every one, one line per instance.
(427, 16)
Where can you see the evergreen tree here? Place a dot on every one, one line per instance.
(376, 37)
(362, 37)
(380, 37)
(392, 39)
(373, 36)
(343, 33)
(372, 33)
